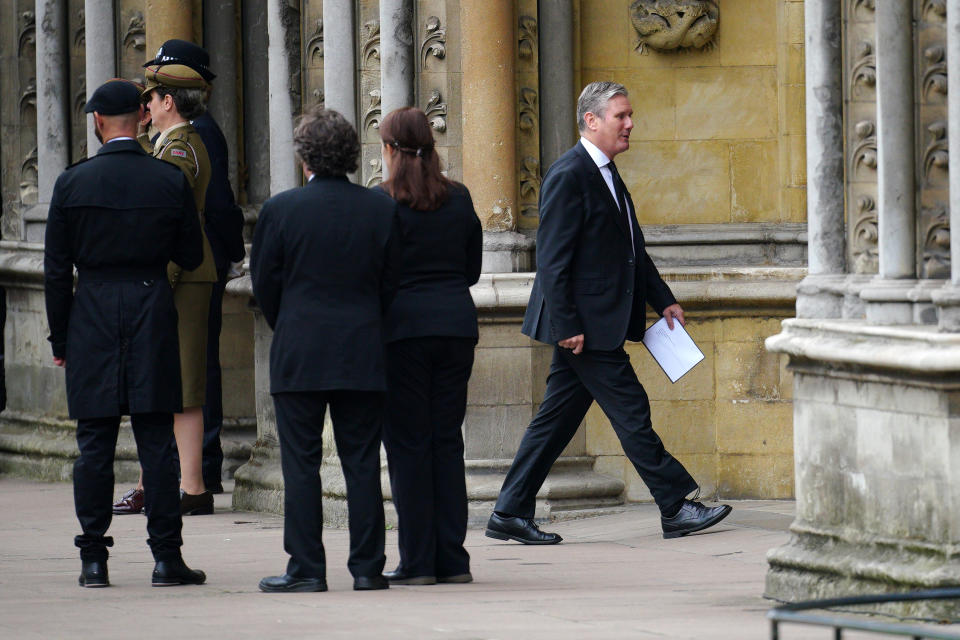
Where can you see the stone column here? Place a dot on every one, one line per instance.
(53, 119)
(490, 129)
(283, 169)
(397, 63)
(339, 58)
(100, 40)
(220, 38)
(948, 298)
(256, 101)
(168, 19)
(558, 108)
(887, 297)
(820, 295)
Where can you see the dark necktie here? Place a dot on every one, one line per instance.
(619, 189)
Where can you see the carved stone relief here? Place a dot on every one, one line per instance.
(936, 156)
(934, 10)
(314, 51)
(667, 25)
(864, 72)
(528, 115)
(370, 45)
(529, 111)
(78, 85)
(312, 56)
(864, 154)
(133, 38)
(529, 186)
(372, 113)
(527, 45)
(434, 42)
(935, 73)
(368, 91)
(936, 243)
(436, 112)
(865, 237)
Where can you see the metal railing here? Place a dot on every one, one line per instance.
(793, 613)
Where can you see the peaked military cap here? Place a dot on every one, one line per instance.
(114, 97)
(185, 53)
(173, 75)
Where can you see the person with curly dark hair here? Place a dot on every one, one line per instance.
(431, 332)
(323, 265)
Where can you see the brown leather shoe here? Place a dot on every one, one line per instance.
(130, 502)
(200, 504)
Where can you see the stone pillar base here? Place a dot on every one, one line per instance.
(507, 252)
(947, 301)
(821, 296)
(888, 301)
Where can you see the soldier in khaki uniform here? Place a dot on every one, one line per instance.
(174, 95)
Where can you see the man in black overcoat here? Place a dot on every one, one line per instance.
(324, 266)
(594, 280)
(119, 217)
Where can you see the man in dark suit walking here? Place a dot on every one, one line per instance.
(120, 217)
(324, 263)
(594, 280)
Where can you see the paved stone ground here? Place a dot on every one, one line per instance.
(613, 577)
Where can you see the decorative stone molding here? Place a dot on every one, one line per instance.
(866, 257)
(376, 173)
(29, 178)
(529, 110)
(135, 35)
(80, 33)
(936, 157)
(934, 10)
(434, 42)
(436, 112)
(936, 243)
(314, 50)
(28, 32)
(529, 186)
(935, 73)
(864, 71)
(865, 151)
(528, 41)
(371, 116)
(370, 47)
(668, 25)
(864, 6)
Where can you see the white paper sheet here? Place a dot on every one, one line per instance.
(674, 351)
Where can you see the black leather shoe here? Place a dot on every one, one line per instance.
(693, 516)
(168, 573)
(94, 574)
(520, 529)
(460, 578)
(400, 576)
(370, 583)
(199, 504)
(292, 584)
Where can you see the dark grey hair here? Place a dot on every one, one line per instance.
(326, 142)
(190, 102)
(594, 98)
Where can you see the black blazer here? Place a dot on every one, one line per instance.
(119, 217)
(588, 280)
(441, 256)
(324, 263)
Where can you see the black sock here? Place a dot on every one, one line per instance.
(672, 510)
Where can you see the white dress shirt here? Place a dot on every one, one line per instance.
(602, 163)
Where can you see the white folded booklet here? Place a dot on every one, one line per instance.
(674, 351)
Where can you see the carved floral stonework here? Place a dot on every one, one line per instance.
(864, 71)
(434, 41)
(865, 150)
(376, 173)
(934, 10)
(529, 112)
(936, 243)
(371, 115)
(29, 178)
(370, 46)
(936, 157)
(935, 72)
(864, 6)
(529, 186)
(668, 25)
(865, 236)
(80, 33)
(436, 112)
(314, 52)
(135, 36)
(28, 32)
(527, 45)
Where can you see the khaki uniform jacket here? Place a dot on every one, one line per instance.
(181, 145)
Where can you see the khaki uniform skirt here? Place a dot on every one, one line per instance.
(192, 300)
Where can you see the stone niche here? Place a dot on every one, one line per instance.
(877, 452)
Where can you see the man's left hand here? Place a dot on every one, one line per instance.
(672, 312)
(60, 362)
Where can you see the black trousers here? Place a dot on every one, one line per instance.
(426, 402)
(213, 409)
(93, 483)
(357, 428)
(575, 381)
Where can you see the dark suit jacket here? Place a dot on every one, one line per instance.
(223, 218)
(441, 256)
(588, 280)
(324, 262)
(119, 217)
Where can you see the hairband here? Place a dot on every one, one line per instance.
(419, 151)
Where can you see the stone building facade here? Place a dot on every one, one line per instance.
(717, 170)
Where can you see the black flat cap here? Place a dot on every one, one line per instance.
(114, 97)
(185, 53)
